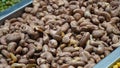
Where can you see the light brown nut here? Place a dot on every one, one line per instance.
(66, 38)
(23, 60)
(76, 63)
(89, 65)
(71, 66)
(13, 37)
(53, 43)
(77, 16)
(100, 49)
(25, 50)
(5, 53)
(65, 27)
(44, 66)
(87, 14)
(48, 56)
(115, 39)
(96, 57)
(31, 50)
(41, 61)
(98, 33)
(84, 39)
(64, 65)
(11, 46)
(69, 49)
(3, 40)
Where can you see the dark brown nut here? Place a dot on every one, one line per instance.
(23, 60)
(47, 55)
(31, 61)
(41, 61)
(53, 43)
(84, 39)
(11, 46)
(5, 53)
(44, 66)
(65, 27)
(66, 38)
(89, 65)
(69, 49)
(98, 33)
(13, 37)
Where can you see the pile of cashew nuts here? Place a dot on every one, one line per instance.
(61, 34)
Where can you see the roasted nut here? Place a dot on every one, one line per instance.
(11, 46)
(44, 66)
(47, 55)
(13, 37)
(98, 33)
(53, 43)
(5, 53)
(66, 38)
(84, 39)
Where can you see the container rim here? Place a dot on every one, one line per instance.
(14, 8)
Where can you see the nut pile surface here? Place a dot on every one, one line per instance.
(61, 34)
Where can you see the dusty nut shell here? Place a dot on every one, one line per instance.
(53, 43)
(84, 39)
(98, 33)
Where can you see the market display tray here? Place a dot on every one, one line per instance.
(18, 9)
